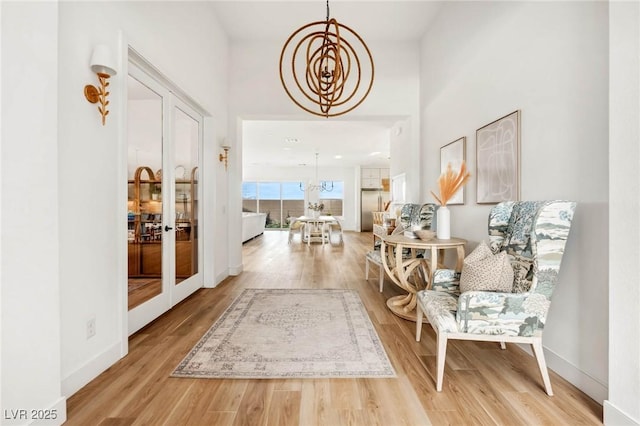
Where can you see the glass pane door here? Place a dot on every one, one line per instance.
(187, 135)
(164, 150)
(269, 196)
(144, 204)
(149, 204)
(186, 147)
(292, 202)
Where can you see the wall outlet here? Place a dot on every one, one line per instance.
(91, 328)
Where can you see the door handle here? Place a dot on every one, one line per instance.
(167, 228)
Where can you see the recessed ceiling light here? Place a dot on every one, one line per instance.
(291, 140)
(337, 157)
(375, 153)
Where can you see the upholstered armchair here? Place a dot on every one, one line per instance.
(412, 216)
(533, 234)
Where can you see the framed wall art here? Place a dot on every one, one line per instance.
(498, 160)
(454, 153)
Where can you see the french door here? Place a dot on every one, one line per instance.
(164, 138)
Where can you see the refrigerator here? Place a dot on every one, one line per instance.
(371, 200)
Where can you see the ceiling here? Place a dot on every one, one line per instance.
(265, 143)
(295, 143)
(394, 20)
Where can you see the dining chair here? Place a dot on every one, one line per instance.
(296, 227)
(334, 227)
(316, 231)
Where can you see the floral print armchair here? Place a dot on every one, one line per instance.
(533, 233)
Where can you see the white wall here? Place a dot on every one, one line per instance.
(30, 343)
(185, 42)
(483, 60)
(256, 92)
(622, 407)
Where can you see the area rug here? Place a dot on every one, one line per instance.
(290, 333)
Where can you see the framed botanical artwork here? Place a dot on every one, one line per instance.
(498, 160)
(454, 153)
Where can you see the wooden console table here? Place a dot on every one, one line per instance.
(414, 273)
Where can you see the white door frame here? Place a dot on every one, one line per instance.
(175, 97)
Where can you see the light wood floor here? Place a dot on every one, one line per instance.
(483, 384)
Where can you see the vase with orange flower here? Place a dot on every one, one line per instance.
(449, 183)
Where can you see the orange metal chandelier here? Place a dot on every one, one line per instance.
(326, 75)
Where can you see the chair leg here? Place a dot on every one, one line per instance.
(542, 365)
(440, 357)
(381, 277)
(419, 316)
(503, 345)
(366, 268)
(323, 233)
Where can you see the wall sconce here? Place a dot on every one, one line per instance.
(224, 158)
(102, 64)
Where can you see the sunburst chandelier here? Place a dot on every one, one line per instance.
(326, 77)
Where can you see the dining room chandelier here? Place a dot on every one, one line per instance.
(318, 186)
(326, 73)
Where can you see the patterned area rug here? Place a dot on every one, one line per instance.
(290, 333)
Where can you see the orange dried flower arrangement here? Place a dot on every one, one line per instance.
(449, 183)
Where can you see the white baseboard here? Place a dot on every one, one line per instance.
(89, 371)
(235, 270)
(613, 416)
(595, 389)
(216, 280)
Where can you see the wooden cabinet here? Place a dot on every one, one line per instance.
(145, 225)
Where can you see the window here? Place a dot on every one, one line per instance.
(279, 200)
(332, 200)
(292, 202)
(250, 197)
(284, 200)
(269, 202)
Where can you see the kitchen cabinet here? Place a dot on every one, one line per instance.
(374, 178)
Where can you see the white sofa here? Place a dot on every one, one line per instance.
(252, 225)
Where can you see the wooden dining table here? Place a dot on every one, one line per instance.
(411, 272)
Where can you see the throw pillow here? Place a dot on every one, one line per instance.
(484, 271)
